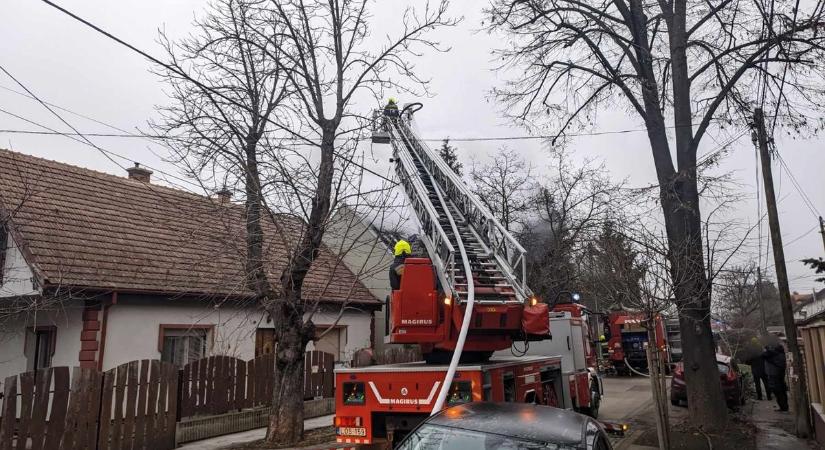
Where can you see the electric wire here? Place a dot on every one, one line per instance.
(108, 153)
(49, 108)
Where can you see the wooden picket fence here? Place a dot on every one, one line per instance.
(137, 405)
(128, 407)
(139, 399)
(219, 384)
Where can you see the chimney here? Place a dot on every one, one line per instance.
(139, 173)
(224, 196)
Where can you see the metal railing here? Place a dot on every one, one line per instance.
(438, 245)
(509, 254)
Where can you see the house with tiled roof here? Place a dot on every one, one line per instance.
(97, 270)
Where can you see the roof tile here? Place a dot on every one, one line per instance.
(94, 230)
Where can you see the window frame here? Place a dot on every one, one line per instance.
(34, 330)
(165, 328)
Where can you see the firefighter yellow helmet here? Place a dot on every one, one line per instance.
(392, 101)
(402, 247)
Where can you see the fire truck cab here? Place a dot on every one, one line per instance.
(381, 404)
(626, 333)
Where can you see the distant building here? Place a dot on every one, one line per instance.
(808, 306)
(367, 251)
(97, 270)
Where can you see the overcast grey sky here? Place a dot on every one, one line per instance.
(76, 68)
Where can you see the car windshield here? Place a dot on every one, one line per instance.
(434, 437)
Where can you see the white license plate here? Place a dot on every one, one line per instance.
(348, 431)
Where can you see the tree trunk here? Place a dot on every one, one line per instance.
(286, 421)
(653, 368)
(680, 205)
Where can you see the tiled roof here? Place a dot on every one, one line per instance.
(85, 229)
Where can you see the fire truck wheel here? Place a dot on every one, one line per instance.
(595, 402)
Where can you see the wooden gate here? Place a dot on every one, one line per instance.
(138, 407)
(319, 378)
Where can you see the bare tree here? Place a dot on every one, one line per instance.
(263, 97)
(569, 209)
(698, 63)
(505, 185)
(745, 301)
(650, 289)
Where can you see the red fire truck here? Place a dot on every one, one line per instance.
(468, 299)
(380, 404)
(626, 335)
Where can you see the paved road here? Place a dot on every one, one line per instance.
(624, 398)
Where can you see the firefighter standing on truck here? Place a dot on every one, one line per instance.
(402, 251)
(391, 109)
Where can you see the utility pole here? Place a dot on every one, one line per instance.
(822, 230)
(764, 331)
(800, 395)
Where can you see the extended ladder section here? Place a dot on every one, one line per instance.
(451, 216)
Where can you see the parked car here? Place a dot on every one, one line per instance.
(509, 426)
(731, 379)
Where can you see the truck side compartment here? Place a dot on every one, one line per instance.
(383, 403)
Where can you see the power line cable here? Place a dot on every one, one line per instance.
(801, 236)
(149, 137)
(92, 119)
(108, 153)
(49, 108)
(798, 187)
(186, 76)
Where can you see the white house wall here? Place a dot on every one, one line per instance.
(133, 326)
(67, 320)
(17, 275)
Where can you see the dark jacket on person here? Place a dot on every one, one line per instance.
(775, 363)
(757, 367)
(396, 270)
(391, 110)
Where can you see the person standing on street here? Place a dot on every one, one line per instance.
(775, 365)
(760, 380)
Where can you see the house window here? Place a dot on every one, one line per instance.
(182, 345)
(264, 341)
(39, 347)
